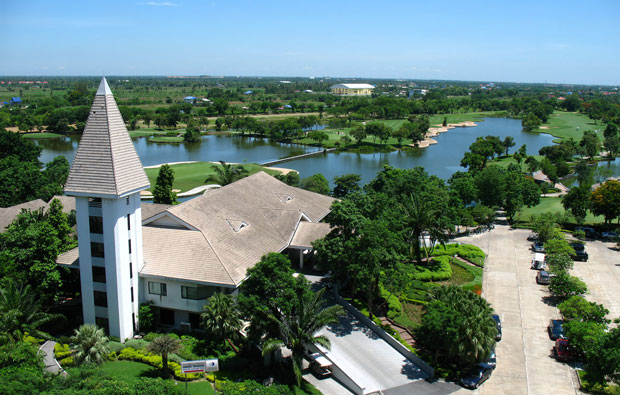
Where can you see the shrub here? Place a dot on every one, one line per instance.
(564, 286)
(138, 344)
(466, 251)
(150, 336)
(440, 270)
(61, 351)
(395, 308)
(116, 346)
(131, 354)
(67, 362)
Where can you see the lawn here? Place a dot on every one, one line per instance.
(130, 372)
(565, 125)
(191, 175)
(505, 161)
(166, 139)
(554, 205)
(42, 135)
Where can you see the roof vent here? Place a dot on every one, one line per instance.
(284, 197)
(237, 224)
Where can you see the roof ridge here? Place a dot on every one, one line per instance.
(217, 256)
(107, 117)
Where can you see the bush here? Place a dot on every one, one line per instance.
(138, 344)
(564, 286)
(61, 351)
(439, 270)
(395, 308)
(149, 337)
(474, 285)
(131, 354)
(66, 362)
(466, 251)
(116, 346)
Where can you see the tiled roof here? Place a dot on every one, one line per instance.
(239, 224)
(8, 214)
(152, 209)
(106, 162)
(307, 232)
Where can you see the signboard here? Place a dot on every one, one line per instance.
(193, 366)
(212, 365)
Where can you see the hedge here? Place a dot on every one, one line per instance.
(395, 308)
(131, 354)
(466, 251)
(440, 272)
(61, 351)
(474, 285)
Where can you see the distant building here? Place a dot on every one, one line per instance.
(248, 92)
(417, 92)
(352, 89)
(16, 100)
(190, 99)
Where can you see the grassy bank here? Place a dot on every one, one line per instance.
(565, 125)
(41, 135)
(553, 205)
(192, 175)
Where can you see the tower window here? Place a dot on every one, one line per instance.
(95, 224)
(94, 202)
(127, 200)
(129, 246)
(128, 222)
(130, 270)
(98, 274)
(97, 250)
(101, 298)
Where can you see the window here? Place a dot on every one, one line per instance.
(132, 294)
(102, 323)
(101, 299)
(94, 202)
(127, 200)
(128, 222)
(166, 317)
(157, 288)
(129, 245)
(195, 293)
(130, 270)
(194, 320)
(96, 224)
(96, 250)
(98, 274)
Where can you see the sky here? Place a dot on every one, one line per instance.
(573, 42)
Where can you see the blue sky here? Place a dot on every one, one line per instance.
(521, 41)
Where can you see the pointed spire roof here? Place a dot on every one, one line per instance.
(106, 163)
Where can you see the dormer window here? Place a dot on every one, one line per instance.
(284, 197)
(237, 224)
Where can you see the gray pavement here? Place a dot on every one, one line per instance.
(602, 275)
(524, 359)
(327, 386)
(51, 365)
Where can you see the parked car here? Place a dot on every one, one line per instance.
(580, 252)
(562, 351)
(538, 246)
(476, 376)
(320, 365)
(543, 278)
(532, 237)
(538, 262)
(492, 361)
(498, 325)
(609, 236)
(556, 330)
(589, 232)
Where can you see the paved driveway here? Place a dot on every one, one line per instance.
(524, 361)
(602, 275)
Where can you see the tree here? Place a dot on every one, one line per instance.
(603, 358)
(564, 286)
(221, 318)
(508, 142)
(557, 245)
(164, 345)
(546, 227)
(457, 328)
(191, 135)
(21, 312)
(520, 155)
(163, 192)
(530, 122)
(532, 164)
(299, 328)
(316, 183)
(582, 336)
(291, 178)
(146, 317)
(577, 201)
(605, 200)
(60, 222)
(226, 173)
(578, 308)
(90, 344)
(359, 134)
(319, 136)
(559, 263)
(590, 144)
(346, 184)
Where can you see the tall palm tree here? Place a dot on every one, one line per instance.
(298, 329)
(221, 317)
(164, 345)
(90, 344)
(20, 312)
(226, 173)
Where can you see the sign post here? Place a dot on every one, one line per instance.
(212, 365)
(203, 365)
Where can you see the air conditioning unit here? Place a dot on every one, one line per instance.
(186, 327)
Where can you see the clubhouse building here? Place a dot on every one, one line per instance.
(173, 256)
(352, 89)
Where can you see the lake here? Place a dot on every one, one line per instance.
(441, 159)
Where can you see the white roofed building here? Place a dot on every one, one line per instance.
(352, 89)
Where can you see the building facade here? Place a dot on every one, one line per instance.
(352, 89)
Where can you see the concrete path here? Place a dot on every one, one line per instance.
(524, 360)
(327, 386)
(51, 365)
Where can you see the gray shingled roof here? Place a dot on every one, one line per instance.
(239, 223)
(307, 232)
(106, 162)
(8, 214)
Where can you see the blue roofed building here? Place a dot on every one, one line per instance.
(190, 99)
(16, 100)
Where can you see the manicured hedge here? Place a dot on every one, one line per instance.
(474, 285)
(395, 308)
(131, 354)
(437, 270)
(466, 251)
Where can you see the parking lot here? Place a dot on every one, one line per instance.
(524, 358)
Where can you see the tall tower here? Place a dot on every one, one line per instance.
(106, 178)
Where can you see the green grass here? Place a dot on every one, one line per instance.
(166, 139)
(553, 205)
(191, 175)
(460, 275)
(565, 125)
(505, 161)
(411, 317)
(42, 135)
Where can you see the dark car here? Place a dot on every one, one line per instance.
(476, 376)
(555, 329)
(498, 325)
(532, 237)
(543, 278)
(562, 351)
(580, 252)
(609, 236)
(538, 247)
(590, 232)
(492, 361)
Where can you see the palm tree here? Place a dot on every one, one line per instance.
(90, 344)
(226, 173)
(164, 345)
(20, 312)
(298, 329)
(221, 317)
